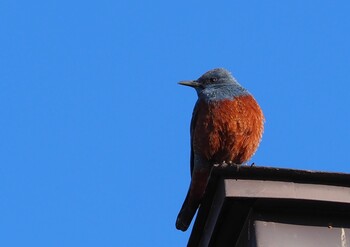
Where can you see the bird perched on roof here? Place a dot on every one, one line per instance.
(226, 126)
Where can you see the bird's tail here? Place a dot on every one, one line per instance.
(187, 212)
(193, 199)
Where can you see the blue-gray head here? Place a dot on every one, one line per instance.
(216, 84)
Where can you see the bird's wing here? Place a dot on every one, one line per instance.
(192, 127)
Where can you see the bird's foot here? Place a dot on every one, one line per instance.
(226, 164)
(222, 165)
(234, 164)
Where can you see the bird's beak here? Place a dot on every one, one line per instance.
(190, 83)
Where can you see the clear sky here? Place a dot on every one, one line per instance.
(94, 130)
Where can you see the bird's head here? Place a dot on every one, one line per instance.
(215, 83)
(212, 77)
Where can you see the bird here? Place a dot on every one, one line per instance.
(226, 127)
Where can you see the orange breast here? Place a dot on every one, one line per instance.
(228, 130)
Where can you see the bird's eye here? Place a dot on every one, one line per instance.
(213, 79)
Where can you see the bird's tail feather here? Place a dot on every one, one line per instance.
(186, 214)
(193, 198)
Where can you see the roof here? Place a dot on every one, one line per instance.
(233, 191)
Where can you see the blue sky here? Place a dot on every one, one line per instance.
(94, 147)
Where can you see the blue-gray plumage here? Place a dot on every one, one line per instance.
(217, 84)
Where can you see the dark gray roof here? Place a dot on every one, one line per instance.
(233, 191)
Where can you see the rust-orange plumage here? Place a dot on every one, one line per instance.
(227, 126)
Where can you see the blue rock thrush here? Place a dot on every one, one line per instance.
(227, 125)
